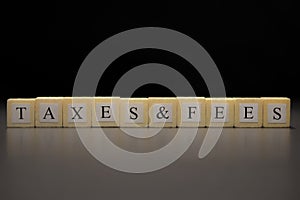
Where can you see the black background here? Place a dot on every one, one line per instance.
(252, 43)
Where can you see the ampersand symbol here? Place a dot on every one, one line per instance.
(161, 113)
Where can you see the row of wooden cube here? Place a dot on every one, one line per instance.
(148, 112)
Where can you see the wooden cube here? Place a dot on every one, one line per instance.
(134, 112)
(191, 112)
(105, 111)
(219, 112)
(248, 112)
(276, 111)
(77, 112)
(48, 112)
(20, 112)
(162, 111)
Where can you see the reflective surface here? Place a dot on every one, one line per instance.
(51, 163)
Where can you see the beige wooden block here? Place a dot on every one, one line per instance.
(191, 112)
(48, 111)
(162, 111)
(20, 112)
(219, 112)
(248, 112)
(77, 111)
(134, 112)
(276, 111)
(105, 111)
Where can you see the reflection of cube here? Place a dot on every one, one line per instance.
(248, 112)
(105, 111)
(219, 112)
(48, 111)
(162, 111)
(276, 112)
(20, 112)
(77, 111)
(134, 112)
(191, 112)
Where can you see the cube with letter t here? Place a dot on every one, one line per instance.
(20, 112)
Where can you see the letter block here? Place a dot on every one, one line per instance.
(148, 112)
(105, 111)
(134, 112)
(162, 112)
(191, 112)
(219, 112)
(48, 111)
(77, 112)
(20, 112)
(248, 112)
(276, 112)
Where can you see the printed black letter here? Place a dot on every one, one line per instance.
(190, 111)
(277, 111)
(21, 111)
(134, 114)
(105, 111)
(48, 112)
(76, 112)
(219, 112)
(250, 111)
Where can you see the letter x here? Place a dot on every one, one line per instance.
(76, 112)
